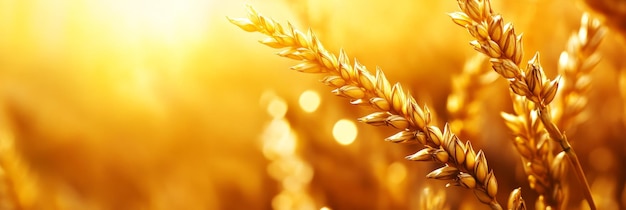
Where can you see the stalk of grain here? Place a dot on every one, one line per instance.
(516, 202)
(613, 15)
(395, 107)
(544, 172)
(462, 104)
(499, 41)
(613, 12)
(576, 64)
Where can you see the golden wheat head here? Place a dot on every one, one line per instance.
(395, 107)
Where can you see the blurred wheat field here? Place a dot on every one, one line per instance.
(166, 105)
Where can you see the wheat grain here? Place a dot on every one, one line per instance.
(576, 64)
(532, 143)
(463, 104)
(500, 42)
(516, 202)
(613, 14)
(396, 108)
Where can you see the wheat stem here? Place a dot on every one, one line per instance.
(516, 202)
(500, 42)
(531, 142)
(556, 135)
(395, 107)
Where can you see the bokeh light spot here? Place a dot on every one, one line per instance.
(396, 173)
(282, 201)
(279, 140)
(454, 103)
(344, 132)
(277, 108)
(309, 101)
(266, 97)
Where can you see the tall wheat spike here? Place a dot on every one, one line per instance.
(395, 107)
(576, 64)
(516, 202)
(499, 41)
(543, 170)
(463, 104)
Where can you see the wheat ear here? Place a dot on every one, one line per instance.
(500, 42)
(516, 202)
(463, 104)
(532, 143)
(576, 64)
(395, 107)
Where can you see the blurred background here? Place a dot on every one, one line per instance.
(166, 105)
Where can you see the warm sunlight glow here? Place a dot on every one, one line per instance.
(208, 104)
(344, 132)
(309, 101)
(165, 20)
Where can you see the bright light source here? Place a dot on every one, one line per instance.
(277, 108)
(344, 132)
(309, 101)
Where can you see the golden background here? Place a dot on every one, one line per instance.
(166, 105)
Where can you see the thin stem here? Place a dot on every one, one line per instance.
(556, 135)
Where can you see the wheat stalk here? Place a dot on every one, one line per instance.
(499, 41)
(395, 107)
(474, 76)
(613, 12)
(576, 64)
(462, 103)
(531, 142)
(516, 202)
